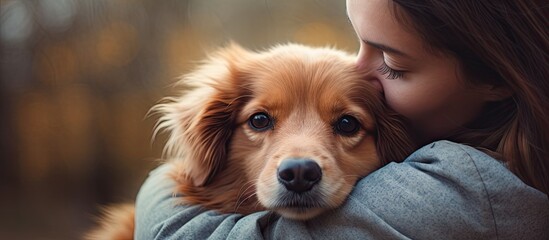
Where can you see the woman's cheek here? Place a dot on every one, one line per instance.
(394, 98)
(407, 102)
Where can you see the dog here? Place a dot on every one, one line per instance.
(290, 129)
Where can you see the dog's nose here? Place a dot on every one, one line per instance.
(299, 175)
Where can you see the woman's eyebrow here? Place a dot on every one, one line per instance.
(386, 48)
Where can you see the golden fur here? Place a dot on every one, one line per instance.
(221, 162)
(117, 223)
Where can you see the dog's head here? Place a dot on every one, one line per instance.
(299, 123)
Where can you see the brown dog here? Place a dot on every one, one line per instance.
(290, 129)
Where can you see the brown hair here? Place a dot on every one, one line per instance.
(504, 43)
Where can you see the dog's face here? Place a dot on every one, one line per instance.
(297, 125)
(306, 135)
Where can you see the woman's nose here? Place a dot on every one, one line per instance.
(369, 57)
(368, 61)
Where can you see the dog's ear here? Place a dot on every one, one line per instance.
(200, 122)
(394, 143)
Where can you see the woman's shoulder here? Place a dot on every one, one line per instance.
(459, 163)
(449, 184)
(467, 167)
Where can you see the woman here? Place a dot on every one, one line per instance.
(472, 72)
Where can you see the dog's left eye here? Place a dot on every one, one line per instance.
(260, 121)
(347, 125)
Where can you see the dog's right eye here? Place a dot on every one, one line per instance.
(347, 125)
(260, 122)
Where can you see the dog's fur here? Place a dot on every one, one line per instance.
(221, 162)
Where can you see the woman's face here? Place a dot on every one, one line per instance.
(425, 87)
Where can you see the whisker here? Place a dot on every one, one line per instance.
(244, 200)
(242, 191)
(257, 204)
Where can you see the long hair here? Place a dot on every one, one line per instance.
(504, 43)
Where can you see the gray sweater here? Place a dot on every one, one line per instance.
(442, 191)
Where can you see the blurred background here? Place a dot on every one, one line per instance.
(77, 78)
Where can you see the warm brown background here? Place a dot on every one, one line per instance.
(78, 77)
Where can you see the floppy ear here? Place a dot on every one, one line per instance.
(394, 143)
(200, 122)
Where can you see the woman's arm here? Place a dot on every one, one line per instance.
(444, 190)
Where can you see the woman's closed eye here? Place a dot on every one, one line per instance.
(390, 72)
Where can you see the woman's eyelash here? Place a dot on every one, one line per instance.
(392, 74)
